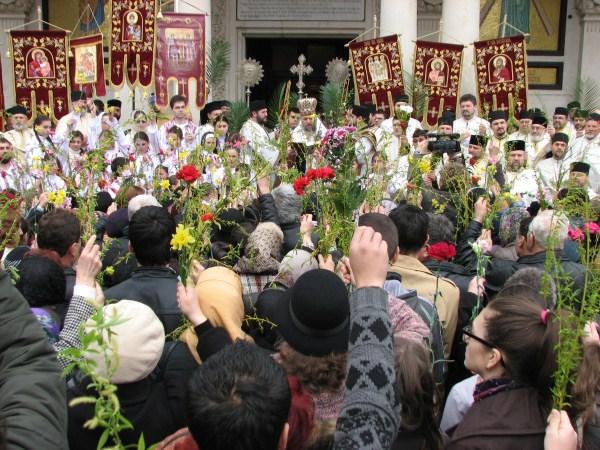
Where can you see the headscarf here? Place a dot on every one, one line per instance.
(263, 250)
(293, 265)
(219, 293)
(509, 224)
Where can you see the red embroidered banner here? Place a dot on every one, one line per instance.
(377, 69)
(180, 49)
(437, 66)
(86, 65)
(132, 42)
(41, 72)
(502, 74)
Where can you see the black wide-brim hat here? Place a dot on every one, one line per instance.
(314, 315)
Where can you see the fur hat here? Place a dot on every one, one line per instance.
(135, 345)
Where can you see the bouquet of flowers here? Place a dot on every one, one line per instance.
(334, 142)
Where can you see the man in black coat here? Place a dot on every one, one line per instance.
(153, 283)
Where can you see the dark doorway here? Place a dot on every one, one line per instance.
(277, 55)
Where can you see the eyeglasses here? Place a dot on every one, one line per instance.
(468, 334)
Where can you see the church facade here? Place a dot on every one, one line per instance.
(561, 36)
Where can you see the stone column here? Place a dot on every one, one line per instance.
(589, 11)
(401, 17)
(12, 14)
(460, 25)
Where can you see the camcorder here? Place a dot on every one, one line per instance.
(443, 143)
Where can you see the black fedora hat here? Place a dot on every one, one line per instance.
(314, 315)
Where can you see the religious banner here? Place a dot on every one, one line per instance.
(132, 42)
(41, 71)
(377, 70)
(437, 67)
(181, 52)
(86, 65)
(502, 74)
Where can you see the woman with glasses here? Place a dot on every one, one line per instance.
(142, 123)
(510, 346)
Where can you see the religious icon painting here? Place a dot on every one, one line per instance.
(132, 42)
(41, 75)
(500, 69)
(502, 74)
(377, 70)
(86, 65)
(39, 63)
(180, 57)
(437, 68)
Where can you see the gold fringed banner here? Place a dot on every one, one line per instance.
(377, 69)
(437, 67)
(40, 65)
(86, 65)
(180, 56)
(132, 42)
(502, 74)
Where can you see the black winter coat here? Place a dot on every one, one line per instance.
(155, 405)
(155, 287)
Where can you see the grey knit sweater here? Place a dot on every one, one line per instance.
(370, 416)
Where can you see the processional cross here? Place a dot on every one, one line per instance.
(301, 69)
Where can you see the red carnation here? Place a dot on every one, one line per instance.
(475, 179)
(326, 173)
(131, 157)
(300, 184)
(208, 217)
(311, 174)
(188, 173)
(102, 183)
(442, 251)
(472, 161)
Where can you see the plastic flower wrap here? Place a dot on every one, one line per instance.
(332, 144)
(182, 238)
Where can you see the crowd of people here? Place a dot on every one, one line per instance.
(436, 327)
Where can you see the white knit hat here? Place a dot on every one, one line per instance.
(135, 345)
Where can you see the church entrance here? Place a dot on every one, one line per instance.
(277, 55)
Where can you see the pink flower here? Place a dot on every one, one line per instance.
(576, 234)
(591, 228)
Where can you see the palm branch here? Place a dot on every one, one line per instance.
(218, 62)
(588, 93)
(237, 115)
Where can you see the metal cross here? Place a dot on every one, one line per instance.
(300, 69)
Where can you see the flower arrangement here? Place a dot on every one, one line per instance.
(334, 143)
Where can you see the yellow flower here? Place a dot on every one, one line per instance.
(110, 270)
(57, 198)
(183, 155)
(424, 165)
(164, 184)
(46, 168)
(182, 238)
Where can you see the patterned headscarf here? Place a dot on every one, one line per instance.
(509, 224)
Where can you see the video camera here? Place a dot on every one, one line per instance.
(443, 143)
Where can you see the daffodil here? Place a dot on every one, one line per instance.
(110, 270)
(57, 198)
(183, 155)
(182, 238)
(164, 184)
